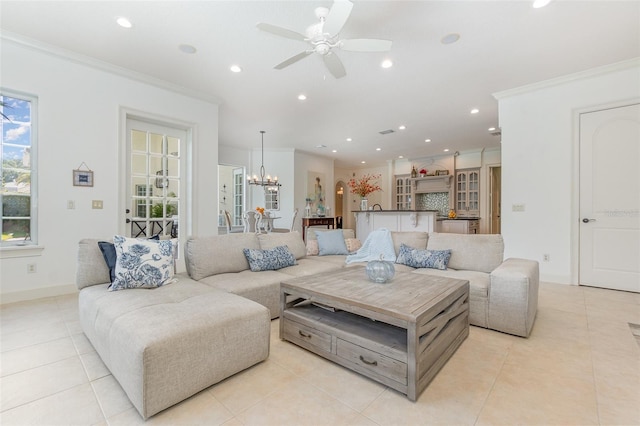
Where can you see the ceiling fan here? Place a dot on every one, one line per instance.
(324, 37)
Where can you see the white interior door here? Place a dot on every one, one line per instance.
(610, 198)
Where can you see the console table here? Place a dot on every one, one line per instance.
(330, 222)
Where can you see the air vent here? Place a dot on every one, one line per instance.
(496, 133)
(386, 132)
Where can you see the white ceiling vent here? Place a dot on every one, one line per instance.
(386, 132)
(497, 133)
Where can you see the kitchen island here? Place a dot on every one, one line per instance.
(394, 220)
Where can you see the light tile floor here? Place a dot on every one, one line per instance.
(580, 366)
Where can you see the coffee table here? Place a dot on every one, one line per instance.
(400, 333)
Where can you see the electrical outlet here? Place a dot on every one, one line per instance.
(517, 207)
(546, 257)
(31, 268)
(96, 204)
(71, 204)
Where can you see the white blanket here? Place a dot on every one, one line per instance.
(378, 243)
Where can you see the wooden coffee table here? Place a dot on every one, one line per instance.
(400, 333)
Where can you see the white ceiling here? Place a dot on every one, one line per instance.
(431, 88)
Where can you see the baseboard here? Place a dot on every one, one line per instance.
(38, 293)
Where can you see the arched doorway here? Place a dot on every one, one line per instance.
(340, 203)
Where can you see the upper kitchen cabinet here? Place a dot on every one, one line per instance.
(468, 192)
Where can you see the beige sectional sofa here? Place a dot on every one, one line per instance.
(164, 345)
(503, 293)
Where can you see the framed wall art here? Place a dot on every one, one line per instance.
(83, 177)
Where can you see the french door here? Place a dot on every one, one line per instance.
(155, 185)
(610, 198)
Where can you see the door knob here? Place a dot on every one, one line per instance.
(587, 220)
(128, 220)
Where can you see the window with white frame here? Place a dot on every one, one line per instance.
(19, 166)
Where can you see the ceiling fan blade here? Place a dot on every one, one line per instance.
(334, 64)
(337, 17)
(279, 31)
(366, 45)
(293, 59)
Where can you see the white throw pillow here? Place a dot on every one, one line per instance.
(143, 263)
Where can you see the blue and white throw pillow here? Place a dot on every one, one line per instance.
(416, 258)
(269, 259)
(143, 263)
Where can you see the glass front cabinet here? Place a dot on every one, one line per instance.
(402, 191)
(468, 192)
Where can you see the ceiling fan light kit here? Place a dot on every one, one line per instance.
(323, 37)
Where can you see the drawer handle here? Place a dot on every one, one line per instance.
(368, 362)
(305, 335)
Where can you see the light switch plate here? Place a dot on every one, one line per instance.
(517, 207)
(96, 204)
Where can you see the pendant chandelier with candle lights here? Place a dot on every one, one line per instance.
(263, 180)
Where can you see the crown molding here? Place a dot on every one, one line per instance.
(58, 52)
(582, 75)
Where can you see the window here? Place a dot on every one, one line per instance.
(19, 165)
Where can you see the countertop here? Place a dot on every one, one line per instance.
(457, 218)
(395, 211)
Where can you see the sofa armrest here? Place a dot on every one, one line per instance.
(513, 296)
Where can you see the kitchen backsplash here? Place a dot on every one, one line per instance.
(433, 201)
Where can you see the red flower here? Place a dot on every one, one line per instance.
(423, 171)
(364, 186)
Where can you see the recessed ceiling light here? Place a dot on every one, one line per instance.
(349, 139)
(302, 97)
(491, 129)
(235, 68)
(446, 150)
(474, 111)
(363, 162)
(427, 140)
(334, 150)
(124, 22)
(450, 38)
(537, 4)
(400, 156)
(187, 48)
(387, 63)
(378, 149)
(402, 127)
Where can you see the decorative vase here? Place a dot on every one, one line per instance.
(364, 204)
(380, 271)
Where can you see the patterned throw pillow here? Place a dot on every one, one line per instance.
(416, 258)
(312, 248)
(109, 253)
(143, 263)
(269, 259)
(353, 244)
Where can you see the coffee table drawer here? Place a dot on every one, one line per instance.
(299, 333)
(373, 361)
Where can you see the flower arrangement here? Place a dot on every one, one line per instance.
(260, 210)
(364, 186)
(423, 171)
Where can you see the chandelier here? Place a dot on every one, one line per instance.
(263, 180)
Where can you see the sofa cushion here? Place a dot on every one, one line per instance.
(435, 259)
(331, 242)
(312, 248)
(293, 240)
(412, 239)
(269, 259)
(312, 233)
(143, 263)
(91, 267)
(474, 252)
(109, 253)
(353, 244)
(218, 254)
(311, 266)
(478, 281)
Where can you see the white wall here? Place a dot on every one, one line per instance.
(80, 117)
(539, 168)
